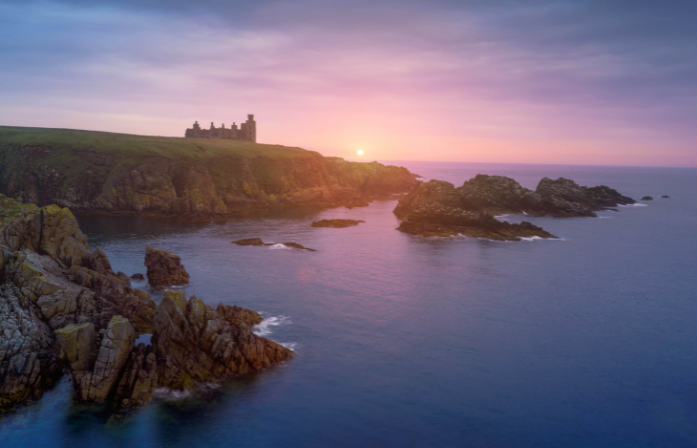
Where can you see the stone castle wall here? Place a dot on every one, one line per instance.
(247, 131)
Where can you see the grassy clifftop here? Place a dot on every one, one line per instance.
(134, 147)
(168, 175)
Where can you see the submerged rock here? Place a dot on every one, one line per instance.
(647, 198)
(164, 268)
(665, 196)
(259, 242)
(336, 223)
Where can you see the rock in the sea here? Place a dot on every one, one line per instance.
(437, 207)
(137, 276)
(336, 223)
(647, 198)
(164, 268)
(259, 242)
(196, 343)
(446, 221)
(665, 196)
(249, 242)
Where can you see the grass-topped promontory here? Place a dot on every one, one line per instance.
(138, 146)
(102, 171)
(84, 157)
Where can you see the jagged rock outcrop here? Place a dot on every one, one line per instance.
(44, 266)
(116, 345)
(194, 343)
(182, 179)
(592, 197)
(67, 308)
(436, 206)
(139, 380)
(97, 370)
(164, 268)
(448, 221)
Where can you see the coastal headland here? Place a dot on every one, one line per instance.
(178, 178)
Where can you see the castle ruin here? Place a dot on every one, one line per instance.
(247, 131)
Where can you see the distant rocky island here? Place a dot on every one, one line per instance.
(181, 178)
(438, 208)
(63, 308)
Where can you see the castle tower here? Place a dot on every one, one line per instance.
(251, 129)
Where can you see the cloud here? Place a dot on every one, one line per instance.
(556, 68)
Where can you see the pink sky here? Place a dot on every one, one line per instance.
(547, 82)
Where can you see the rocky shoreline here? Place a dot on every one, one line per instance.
(62, 308)
(438, 208)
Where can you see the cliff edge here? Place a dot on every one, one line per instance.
(183, 178)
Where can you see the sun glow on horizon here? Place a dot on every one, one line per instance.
(360, 152)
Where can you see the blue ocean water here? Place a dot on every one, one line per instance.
(587, 341)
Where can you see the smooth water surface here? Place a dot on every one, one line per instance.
(586, 341)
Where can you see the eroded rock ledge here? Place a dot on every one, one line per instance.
(63, 307)
(439, 208)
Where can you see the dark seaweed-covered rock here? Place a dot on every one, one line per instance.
(448, 221)
(249, 242)
(259, 242)
(336, 223)
(164, 268)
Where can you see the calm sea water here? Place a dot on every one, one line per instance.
(590, 341)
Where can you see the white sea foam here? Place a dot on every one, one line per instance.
(279, 246)
(289, 345)
(264, 328)
(165, 394)
(532, 238)
(634, 205)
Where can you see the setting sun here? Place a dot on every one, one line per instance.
(360, 152)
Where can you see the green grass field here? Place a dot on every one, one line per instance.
(127, 146)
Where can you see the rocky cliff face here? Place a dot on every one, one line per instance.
(62, 306)
(438, 207)
(198, 185)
